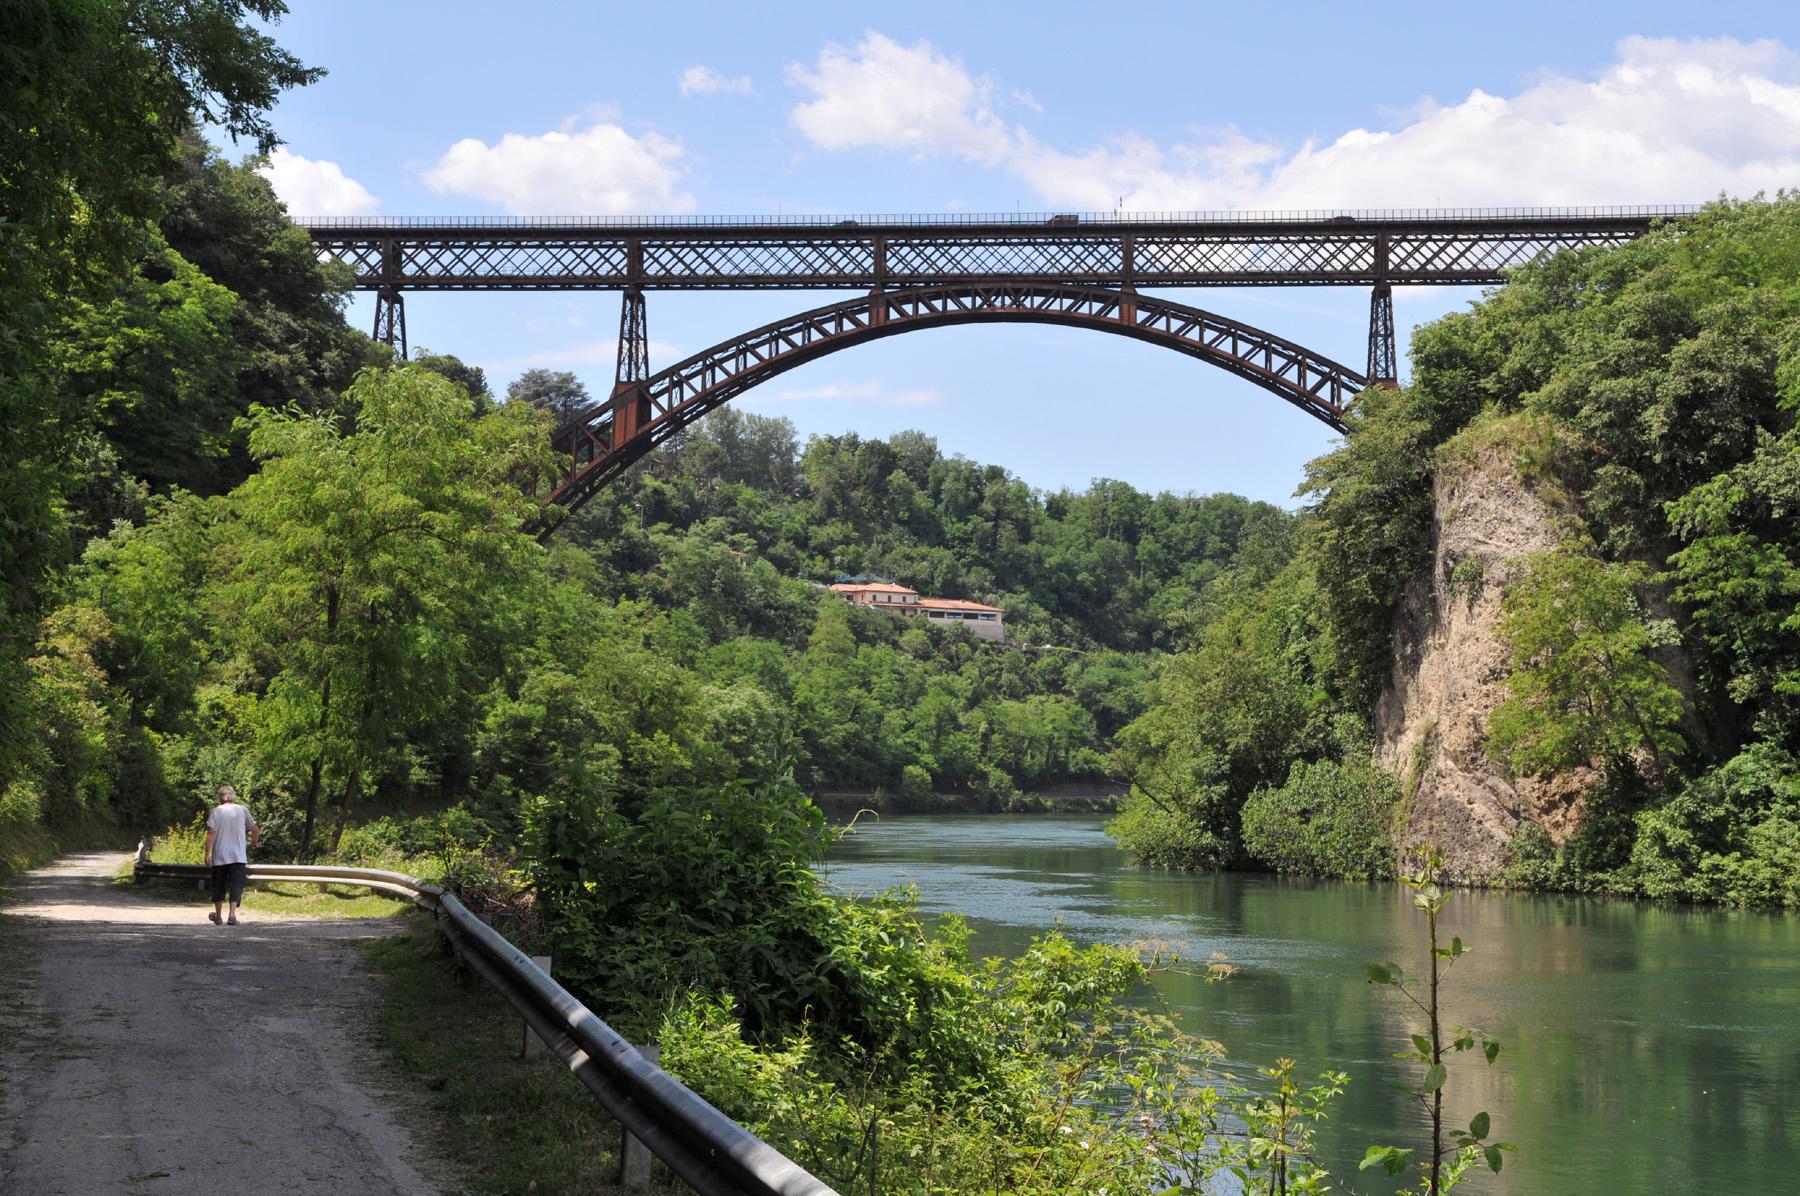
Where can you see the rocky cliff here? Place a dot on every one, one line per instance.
(1449, 664)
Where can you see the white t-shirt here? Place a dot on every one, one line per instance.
(230, 824)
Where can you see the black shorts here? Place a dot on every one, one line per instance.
(228, 877)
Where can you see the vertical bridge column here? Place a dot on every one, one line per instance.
(630, 406)
(390, 305)
(634, 340)
(1384, 368)
(877, 301)
(1128, 280)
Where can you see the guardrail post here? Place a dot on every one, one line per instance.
(634, 1156)
(137, 865)
(526, 1049)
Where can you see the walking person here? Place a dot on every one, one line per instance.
(230, 833)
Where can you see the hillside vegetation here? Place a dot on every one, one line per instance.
(1652, 391)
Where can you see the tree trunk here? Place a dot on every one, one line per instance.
(318, 764)
(352, 788)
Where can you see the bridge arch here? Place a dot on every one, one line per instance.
(608, 439)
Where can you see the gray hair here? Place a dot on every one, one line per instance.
(227, 793)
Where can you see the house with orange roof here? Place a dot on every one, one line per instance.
(980, 620)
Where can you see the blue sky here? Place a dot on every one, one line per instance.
(459, 109)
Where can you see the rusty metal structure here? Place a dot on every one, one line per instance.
(644, 413)
(912, 272)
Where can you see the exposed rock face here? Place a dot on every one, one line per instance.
(1449, 664)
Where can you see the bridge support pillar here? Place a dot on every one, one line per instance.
(1384, 368)
(631, 412)
(390, 320)
(634, 340)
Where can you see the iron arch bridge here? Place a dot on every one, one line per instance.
(609, 438)
(1082, 270)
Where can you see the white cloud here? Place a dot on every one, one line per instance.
(1025, 99)
(704, 81)
(866, 391)
(1668, 121)
(311, 187)
(896, 97)
(600, 170)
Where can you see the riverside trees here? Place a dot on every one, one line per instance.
(1656, 386)
(98, 96)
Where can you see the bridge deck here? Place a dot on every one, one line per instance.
(1415, 247)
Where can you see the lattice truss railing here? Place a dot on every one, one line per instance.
(668, 401)
(450, 260)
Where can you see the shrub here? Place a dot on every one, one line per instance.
(1330, 819)
(915, 784)
(708, 888)
(1161, 838)
(1532, 862)
(1731, 835)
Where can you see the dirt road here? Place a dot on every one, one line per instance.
(145, 1050)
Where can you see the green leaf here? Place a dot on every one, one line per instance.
(1434, 1077)
(1493, 1158)
(1391, 1159)
(1380, 974)
(1491, 1048)
(1479, 1127)
(1424, 1045)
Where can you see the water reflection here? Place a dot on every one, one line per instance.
(1646, 1048)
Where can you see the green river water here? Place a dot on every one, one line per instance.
(1647, 1049)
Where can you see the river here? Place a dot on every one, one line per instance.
(1647, 1048)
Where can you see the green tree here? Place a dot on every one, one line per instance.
(1225, 719)
(472, 378)
(97, 94)
(1739, 573)
(1329, 819)
(556, 391)
(288, 322)
(359, 567)
(157, 365)
(1585, 684)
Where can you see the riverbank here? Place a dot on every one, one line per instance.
(1069, 799)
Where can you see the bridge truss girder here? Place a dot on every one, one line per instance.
(691, 255)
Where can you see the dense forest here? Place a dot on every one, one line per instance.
(732, 529)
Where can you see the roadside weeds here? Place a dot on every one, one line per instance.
(511, 1125)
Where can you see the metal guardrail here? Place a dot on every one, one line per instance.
(708, 1150)
(952, 219)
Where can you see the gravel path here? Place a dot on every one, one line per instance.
(149, 1051)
